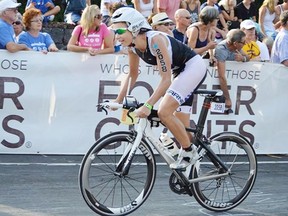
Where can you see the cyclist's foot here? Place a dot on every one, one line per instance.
(185, 158)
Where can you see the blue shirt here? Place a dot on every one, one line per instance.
(75, 6)
(40, 4)
(180, 36)
(279, 51)
(6, 34)
(40, 43)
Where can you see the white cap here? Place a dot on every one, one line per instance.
(5, 4)
(160, 18)
(247, 24)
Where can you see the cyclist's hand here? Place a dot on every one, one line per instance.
(143, 112)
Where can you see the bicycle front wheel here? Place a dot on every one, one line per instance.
(225, 193)
(105, 188)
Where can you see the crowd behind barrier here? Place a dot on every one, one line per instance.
(48, 102)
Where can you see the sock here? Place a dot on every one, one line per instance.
(188, 149)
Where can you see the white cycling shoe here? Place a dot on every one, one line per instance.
(185, 158)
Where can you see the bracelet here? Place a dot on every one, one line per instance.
(149, 106)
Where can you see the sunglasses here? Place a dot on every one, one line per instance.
(98, 16)
(120, 31)
(167, 24)
(16, 23)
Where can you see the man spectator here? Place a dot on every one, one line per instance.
(183, 20)
(280, 46)
(8, 15)
(74, 9)
(229, 49)
(246, 10)
(169, 7)
(47, 8)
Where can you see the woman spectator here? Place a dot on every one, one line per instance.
(201, 36)
(267, 18)
(18, 26)
(145, 7)
(227, 10)
(33, 37)
(193, 6)
(91, 35)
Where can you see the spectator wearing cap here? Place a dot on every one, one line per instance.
(183, 20)
(161, 22)
(8, 15)
(280, 46)
(18, 26)
(229, 49)
(256, 50)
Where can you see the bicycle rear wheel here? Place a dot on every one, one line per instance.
(108, 191)
(225, 193)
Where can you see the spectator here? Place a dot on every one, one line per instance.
(201, 34)
(279, 10)
(91, 35)
(8, 15)
(227, 10)
(193, 6)
(33, 37)
(267, 18)
(74, 10)
(268, 41)
(105, 9)
(161, 22)
(222, 27)
(145, 7)
(250, 47)
(229, 49)
(169, 7)
(47, 8)
(280, 46)
(18, 26)
(183, 20)
(246, 10)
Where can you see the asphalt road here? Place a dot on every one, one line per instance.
(42, 185)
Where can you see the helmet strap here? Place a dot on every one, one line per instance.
(134, 34)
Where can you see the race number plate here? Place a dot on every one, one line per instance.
(217, 107)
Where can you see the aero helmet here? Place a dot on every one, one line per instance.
(133, 18)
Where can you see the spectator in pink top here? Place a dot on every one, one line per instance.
(91, 35)
(169, 7)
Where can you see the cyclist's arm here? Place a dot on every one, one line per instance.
(132, 76)
(159, 47)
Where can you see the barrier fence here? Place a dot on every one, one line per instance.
(48, 102)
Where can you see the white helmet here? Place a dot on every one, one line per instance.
(133, 18)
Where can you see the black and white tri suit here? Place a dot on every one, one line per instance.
(188, 68)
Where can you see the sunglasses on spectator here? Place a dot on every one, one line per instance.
(16, 23)
(167, 24)
(98, 16)
(120, 31)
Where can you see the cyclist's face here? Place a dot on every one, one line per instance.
(122, 34)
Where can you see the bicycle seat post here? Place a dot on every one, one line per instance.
(203, 114)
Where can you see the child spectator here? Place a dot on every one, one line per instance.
(74, 10)
(33, 37)
(47, 8)
(91, 35)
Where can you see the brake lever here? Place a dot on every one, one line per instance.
(132, 109)
(102, 108)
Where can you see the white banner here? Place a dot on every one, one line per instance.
(48, 102)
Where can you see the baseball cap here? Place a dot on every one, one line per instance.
(247, 24)
(160, 18)
(5, 4)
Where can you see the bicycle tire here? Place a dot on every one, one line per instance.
(106, 191)
(225, 193)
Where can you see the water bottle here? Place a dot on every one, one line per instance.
(169, 144)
